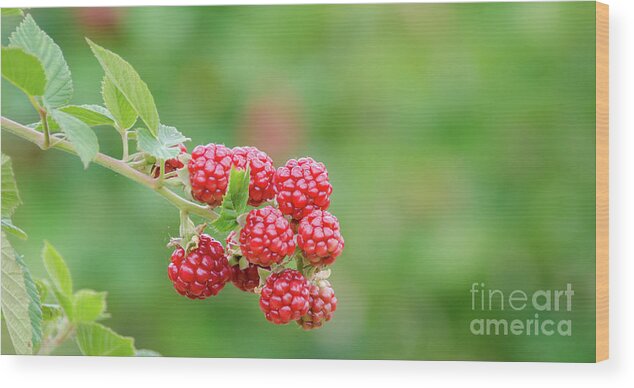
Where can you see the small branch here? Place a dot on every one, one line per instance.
(118, 166)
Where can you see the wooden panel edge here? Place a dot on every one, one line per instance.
(602, 182)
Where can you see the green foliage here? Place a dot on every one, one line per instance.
(51, 312)
(89, 306)
(234, 202)
(79, 133)
(20, 297)
(129, 83)
(92, 115)
(10, 199)
(23, 70)
(122, 112)
(20, 302)
(95, 339)
(12, 12)
(163, 145)
(59, 86)
(80, 310)
(60, 277)
(8, 227)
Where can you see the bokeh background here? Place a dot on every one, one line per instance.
(459, 140)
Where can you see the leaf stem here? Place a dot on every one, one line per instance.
(118, 166)
(124, 140)
(42, 113)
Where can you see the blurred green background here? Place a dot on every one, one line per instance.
(459, 139)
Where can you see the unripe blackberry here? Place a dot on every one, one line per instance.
(171, 165)
(246, 279)
(209, 169)
(261, 173)
(266, 237)
(201, 272)
(302, 186)
(323, 304)
(285, 297)
(319, 237)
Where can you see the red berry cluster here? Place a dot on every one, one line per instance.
(293, 224)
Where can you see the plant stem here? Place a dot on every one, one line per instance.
(118, 166)
(42, 112)
(124, 140)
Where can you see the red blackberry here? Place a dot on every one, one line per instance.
(266, 237)
(209, 169)
(246, 279)
(319, 237)
(302, 186)
(261, 174)
(201, 272)
(285, 297)
(171, 165)
(323, 304)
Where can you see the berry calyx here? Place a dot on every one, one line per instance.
(266, 237)
(323, 304)
(201, 272)
(302, 186)
(209, 169)
(285, 297)
(261, 173)
(171, 165)
(246, 279)
(319, 237)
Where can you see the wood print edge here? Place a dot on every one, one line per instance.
(602, 182)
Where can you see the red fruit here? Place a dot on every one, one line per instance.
(246, 279)
(171, 165)
(323, 304)
(285, 297)
(302, 186)
(201, 272)
(318, 235)
(266, 237)
(261, 174)
(209, 170)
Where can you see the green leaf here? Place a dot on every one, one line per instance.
(129, 83)
(89, 305)
(147, 353)
(42, 289)
(60, 276)
(10, 198)
(163, 146)
(95, 339)
(59, 86)
(12, 12)
(92, 115)
(20, 302)
(23, 70)
(9, 189)
(51, 312)
(123, 113)
(8, 227)
(80, 135)
(234, 203)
